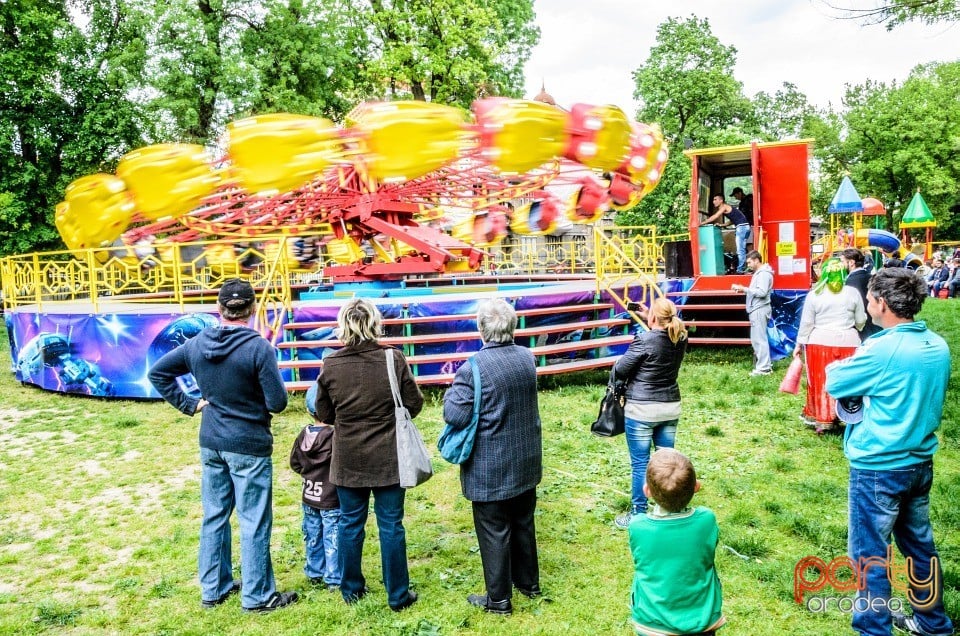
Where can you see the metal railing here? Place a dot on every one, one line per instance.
(190, 273)
(179, 273)
(630, 259)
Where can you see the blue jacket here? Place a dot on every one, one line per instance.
(236, 371)
(902, 372)
(507, 457)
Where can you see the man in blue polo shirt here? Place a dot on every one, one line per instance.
(900, 374)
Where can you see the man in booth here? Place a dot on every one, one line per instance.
(746, 203)
(739, 221)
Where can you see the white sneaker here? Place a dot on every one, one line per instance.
(909, 625)
(759, 372)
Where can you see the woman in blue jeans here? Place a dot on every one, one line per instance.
(353, 393)
(650, 368)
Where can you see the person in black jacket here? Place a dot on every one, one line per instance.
(310, 458)
(236, 372)
(745, 204)
(650, 368)
(858, 277)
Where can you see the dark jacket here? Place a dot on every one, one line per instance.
(507, 458)
(310, 458)
(859, 279)
(650, 367)
(939, 275)
(353, 394)
(746, 206)
(236, 371)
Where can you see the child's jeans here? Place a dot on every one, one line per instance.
(320, 535)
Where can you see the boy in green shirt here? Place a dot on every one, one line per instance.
(675, 584)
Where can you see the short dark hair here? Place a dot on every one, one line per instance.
(671, 479)
(736, 191)
(853, 254)
(901, 289)
(754, 255)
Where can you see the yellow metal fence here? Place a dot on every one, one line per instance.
(187, 273)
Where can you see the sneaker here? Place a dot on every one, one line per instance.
(278, 600)
(622, 521)
(909, 625)
(808, 421)
(759, 372)
(234, 589)
(317, 581)
(411, 599)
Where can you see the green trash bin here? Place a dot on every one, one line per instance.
(711, 250)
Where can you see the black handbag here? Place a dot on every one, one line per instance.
(609, 421)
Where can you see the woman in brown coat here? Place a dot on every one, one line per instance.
(353, 393)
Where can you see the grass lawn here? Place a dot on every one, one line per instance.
(99, 515)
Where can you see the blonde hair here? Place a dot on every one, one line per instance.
(671, 479)
(664, 313)
(359, 320)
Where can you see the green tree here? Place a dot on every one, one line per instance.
(783, 115)
(893, 13)
(829, 157)
(64, 110)
(448, 51)
(687, 86)
(196, 70)
(308, 60)
(904, 138)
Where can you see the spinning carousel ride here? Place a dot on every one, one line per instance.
(402, 190)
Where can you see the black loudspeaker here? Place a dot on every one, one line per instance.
(678, 259)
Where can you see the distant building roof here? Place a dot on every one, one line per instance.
(544, 96)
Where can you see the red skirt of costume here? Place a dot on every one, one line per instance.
(820, 406)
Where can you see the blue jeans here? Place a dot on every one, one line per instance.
(743, 236)
(229, 480)
(639, 436)
(320, 532)
(895, 502)
(388, 507)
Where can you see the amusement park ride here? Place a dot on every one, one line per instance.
(397, 170)
(407, 203)
(404, 194)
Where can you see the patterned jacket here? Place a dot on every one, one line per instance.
(507, 458)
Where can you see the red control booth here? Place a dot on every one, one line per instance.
(776, 175)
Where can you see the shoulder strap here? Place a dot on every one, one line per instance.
(476, 390)
(394, 388)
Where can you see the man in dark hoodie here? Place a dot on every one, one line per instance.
(236, 372)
